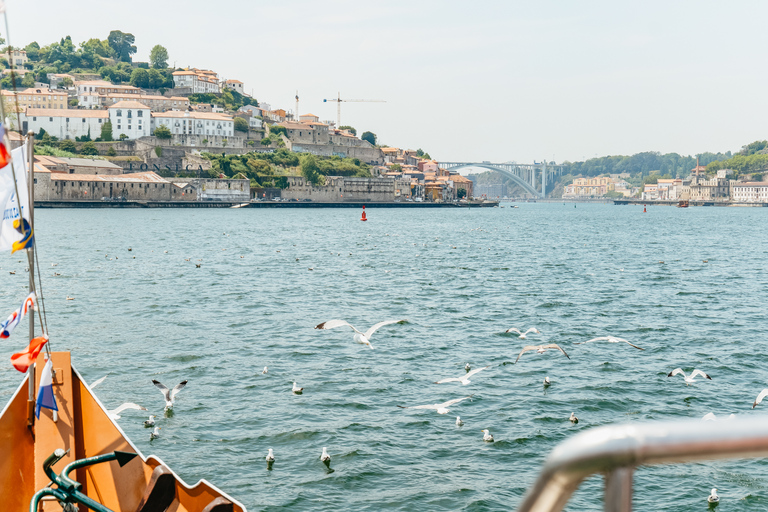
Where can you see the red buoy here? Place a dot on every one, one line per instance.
(363, 218)
(644, 209)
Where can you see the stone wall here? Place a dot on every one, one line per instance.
(342, 189)
(220, 190)
(368, 155)
(76, 190)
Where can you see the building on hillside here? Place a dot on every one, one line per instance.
(37, 98)
(460, 182)
(749, 192)
(650, 192)
(197, 80)
(589, 187)
(89, 92)
(64, 123)
(55, 79)
(155, 103)
(194, 123)
(715, 189)
(130, 118)
(234, 85)
(390, 155)
(19, 58)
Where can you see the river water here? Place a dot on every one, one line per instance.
(460, 277)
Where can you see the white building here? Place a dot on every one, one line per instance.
(198, 80)
(750, 192)
(64, 123)
(194, 123)
(234, 85)
(130, 118)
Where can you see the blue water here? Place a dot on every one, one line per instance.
(460, 277)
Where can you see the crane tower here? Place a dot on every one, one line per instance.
(339, 101)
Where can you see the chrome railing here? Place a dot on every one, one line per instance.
(616, 450)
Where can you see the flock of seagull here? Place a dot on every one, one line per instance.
(168, 394)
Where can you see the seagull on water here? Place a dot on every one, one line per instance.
(270, 458)
(169, 394)
(547, 382)
(115, 413)
(521, 334)
(541, 349)
(296, 389)
(467, 367)
(155, 433)
(573, 419)
(487, 437)
(610, 339)
(325, 458)
(97, 382)
(265, 370)
(688, 378)
(464, 379)
(440, 408)
(760, 397)
(713, 497)
(362, 338)
(150, 422)
(458, 421)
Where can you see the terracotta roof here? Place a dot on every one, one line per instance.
(389, 150)
(137, 177)
(38, 90)
(64, 112)
(129, 104)
(234, 82)
(309, 115)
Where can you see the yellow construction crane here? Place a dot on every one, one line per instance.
(338, 101)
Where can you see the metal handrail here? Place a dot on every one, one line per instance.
(615, 451)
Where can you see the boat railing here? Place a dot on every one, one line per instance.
(616, 450)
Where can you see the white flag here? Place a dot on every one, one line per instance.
(9, 201)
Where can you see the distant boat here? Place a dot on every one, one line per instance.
(682, 204)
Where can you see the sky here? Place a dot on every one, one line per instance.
(468, 81)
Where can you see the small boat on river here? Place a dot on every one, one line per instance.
(682, 204)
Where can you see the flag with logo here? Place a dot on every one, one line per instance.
(7, 327)
(45, 396)
(24, 359)
(15, 230)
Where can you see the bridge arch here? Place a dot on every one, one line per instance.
(505, 172)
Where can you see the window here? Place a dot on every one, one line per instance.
(119, 113)
(34, 119)
(50, 119)
(140, 113)
(83, 119)
(130, 113)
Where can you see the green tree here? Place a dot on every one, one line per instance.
(89, 148)
(309, 169)
(461, 193)
(33, 51)
(370, 137)
(158, 57)
(277, 130)
(111, 151)
(73, 102)
(159, 151)
(140, 78)
(155, 79)
(68, 145)
(28, 80)
(122, 44)
(106, 131)
(162, 132)
(241, 125)
(396, 167)
(349, 129)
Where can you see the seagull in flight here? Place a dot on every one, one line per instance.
(169, 394)
(610, 339)
(521, 334)
(688, 378)
(760, 397)
(540, 349)
(362, 338)
(98, 381)
(440, 408)
(115, 413)
(464, 379)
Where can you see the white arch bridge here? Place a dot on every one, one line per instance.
(532, 178)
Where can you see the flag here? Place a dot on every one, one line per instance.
(4, 156)
(27, 236)
(7, 327)
(12, 205)
(24, 359)
(45, 396)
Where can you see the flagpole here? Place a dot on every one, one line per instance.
(31, 370)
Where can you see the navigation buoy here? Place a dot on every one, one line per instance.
(363, 218)
(644, 210)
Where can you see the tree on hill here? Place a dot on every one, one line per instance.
(106, 131)
(370, 137)
(158, 57)
(33, 51)
(162, 132)
(140, 78)
(309, 169)
(241, 125)
(68, 145)
(349, 129)
(89, 148)
(122, 44)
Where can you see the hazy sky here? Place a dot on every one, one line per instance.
(468, 81)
